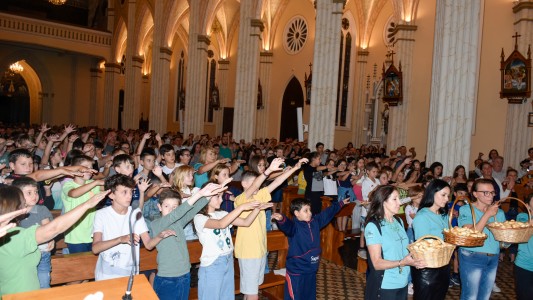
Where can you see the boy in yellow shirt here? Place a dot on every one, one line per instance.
(251, 244)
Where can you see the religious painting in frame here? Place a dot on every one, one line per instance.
(515, 76)
(392, 85)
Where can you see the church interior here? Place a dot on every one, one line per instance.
(316, 70)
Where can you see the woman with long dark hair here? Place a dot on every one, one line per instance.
(387, 246)
(432, 219)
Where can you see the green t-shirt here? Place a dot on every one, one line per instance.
(19, 258)
(524, 258)
(81, 232)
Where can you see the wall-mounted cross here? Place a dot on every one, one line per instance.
(516, 36)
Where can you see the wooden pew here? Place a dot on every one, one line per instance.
(80, 266)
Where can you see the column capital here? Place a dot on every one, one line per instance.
(223, 64)
(95, 71)
(257, 23)
(521, 6)
(165, 50)
(362, 52)
(405, 27)
(112, 67)
(138, 59)
(204, 39)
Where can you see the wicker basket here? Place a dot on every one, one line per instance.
(434, 257)
(459, 240)
(512, 235)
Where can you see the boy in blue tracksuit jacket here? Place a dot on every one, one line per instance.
(304, 246)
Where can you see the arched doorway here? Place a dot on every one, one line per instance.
(293, 97)
(14, 99)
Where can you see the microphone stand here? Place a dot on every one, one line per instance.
(127, 295)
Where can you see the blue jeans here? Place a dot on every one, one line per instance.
(79, 248)
(173, 288)
(217, 281)
(43, 270)
(478, 273)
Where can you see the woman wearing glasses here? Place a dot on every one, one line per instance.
(432, 219)
(478, 265)
(387, 245)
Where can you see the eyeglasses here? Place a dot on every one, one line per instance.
(487, 193)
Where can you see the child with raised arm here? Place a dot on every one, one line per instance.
(216, 275)
(250, 244)
(111, 234)
(73, 193)
(173, 277)
(303, 258)
(37, 215)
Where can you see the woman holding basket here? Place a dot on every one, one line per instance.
(387, 246)
(523, 270)
(478, 265)
(432, 219)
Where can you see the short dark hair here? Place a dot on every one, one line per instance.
(122, 158)
(21, 182)
(147, 152)
(319, 144)
(78, 144)
(78, 160)
(169, 194)
(460, 187)
(114, 181)
(15, 154)
(298, 203)
(165, 148)
(98, 145)
(71, 155)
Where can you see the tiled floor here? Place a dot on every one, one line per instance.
(338, 283)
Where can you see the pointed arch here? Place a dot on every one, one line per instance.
(120, 40)
(293, 97)
(144, 27)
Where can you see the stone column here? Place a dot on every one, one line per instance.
(518, 136)
(397, 134)
(223, 68)
(96, 98)
(248, 49)
(261, 127)
(159, 91)
(132, 93)
(193, 115)
(160, 72)
(112, 74)
(325, 70)
(360, 127)
(454, 82)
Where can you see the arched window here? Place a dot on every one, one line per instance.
(210, 87)
(180, 98)
(341, 112)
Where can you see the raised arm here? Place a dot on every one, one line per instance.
(233, 216)
(286, 174)
(256, 184)
(78, 192)
(284, 224)
(60, 224)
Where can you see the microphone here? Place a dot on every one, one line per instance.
(127, 295)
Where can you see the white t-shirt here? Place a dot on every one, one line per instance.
(215, 242)
(409, 209)
(116, 261)
(168, 170)
(367, 186)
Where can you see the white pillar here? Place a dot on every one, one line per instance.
(518, 136)
(132, 92)
(265, 70)
(454, 82)
(360, 99)
(397, 134)
(325, 70)
(161, 56)
(112, 73)
(248, 49)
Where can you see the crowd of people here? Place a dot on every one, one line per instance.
(176, 188)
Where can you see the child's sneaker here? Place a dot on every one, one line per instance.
(496, 289)
(410, 289)
(454, 278)
(362, 253)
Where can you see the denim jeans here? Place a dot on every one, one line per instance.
(478, 273)
(217, 281)
(43, 270)
(79, 248)
(173, 288)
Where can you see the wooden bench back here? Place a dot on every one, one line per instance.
(80, 266)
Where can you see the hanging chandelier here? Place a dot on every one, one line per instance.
(16, 67)
(57, 2)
